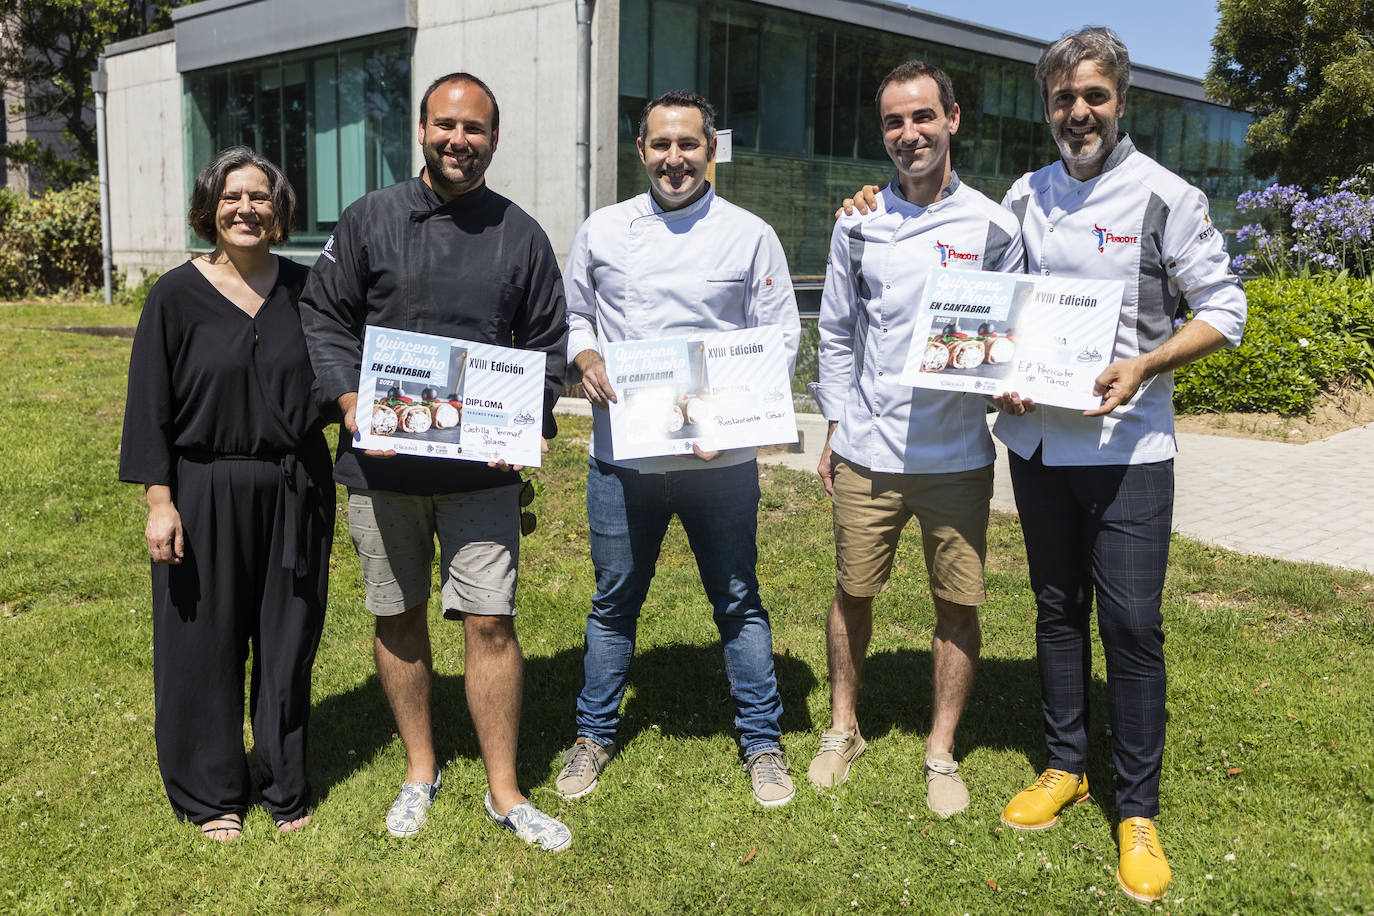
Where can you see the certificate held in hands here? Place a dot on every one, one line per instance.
(1046, 338)
(716, 391)
(442, 397)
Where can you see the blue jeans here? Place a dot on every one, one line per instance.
(628, 515)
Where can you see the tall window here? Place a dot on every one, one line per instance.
(797, 90)
(336, 119)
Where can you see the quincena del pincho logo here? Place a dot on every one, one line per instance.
(950, 254)
(1105, 238)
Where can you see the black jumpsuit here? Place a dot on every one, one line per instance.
(222, 408)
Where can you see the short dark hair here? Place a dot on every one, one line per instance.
(913, 69)
(205, 194)
(1099, 44)
(460, 77)
(680, 98)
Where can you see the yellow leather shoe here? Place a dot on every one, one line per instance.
(1144, 872)
(1038, 807)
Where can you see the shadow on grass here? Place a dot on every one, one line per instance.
(683, 690)
(1003, 711)
(680, 688)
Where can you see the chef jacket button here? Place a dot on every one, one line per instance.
(876, 415)
(880, 373)
(884, 330)
(1045, 272)
(1051, 228)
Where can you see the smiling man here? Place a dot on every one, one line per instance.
(893, 451)
(676, 261)
(1095, 489)
(441, 254)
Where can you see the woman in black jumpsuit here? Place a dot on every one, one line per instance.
(223, 428)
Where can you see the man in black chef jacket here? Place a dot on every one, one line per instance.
(441, 254)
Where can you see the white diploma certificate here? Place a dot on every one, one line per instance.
(715, 390)
(443, 397)
(1046, 338)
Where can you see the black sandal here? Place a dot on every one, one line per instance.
(225, 822)
(282, 822)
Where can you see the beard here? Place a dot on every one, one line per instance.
(450, 179)
(1089, 155)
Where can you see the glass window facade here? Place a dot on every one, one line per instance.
(797, 91)
(336, 119)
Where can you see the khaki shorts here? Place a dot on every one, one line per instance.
(872, 508)
(479, 549)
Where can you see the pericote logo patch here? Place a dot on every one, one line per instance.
(949, 253)
(1105, 238)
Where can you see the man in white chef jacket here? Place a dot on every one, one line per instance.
(894, 451)
(1095, 489)
(675, 261)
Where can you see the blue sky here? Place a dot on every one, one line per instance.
(1169, 34)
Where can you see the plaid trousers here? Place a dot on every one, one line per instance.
(1103, 531)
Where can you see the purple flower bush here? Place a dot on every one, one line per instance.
(1310, 327)
(1332, 232)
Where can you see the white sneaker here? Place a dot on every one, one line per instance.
(533, 826)
(411, 807)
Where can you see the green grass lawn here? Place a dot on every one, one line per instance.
(1266, 789)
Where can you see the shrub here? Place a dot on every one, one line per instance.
(9, 200)
(51, 243)
(1303, 335)
(136, 294)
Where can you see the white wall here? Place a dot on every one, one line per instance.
(144, 140)
(526, 51)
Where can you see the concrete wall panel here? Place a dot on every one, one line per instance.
(526, 51)
(147, 181)
(605, 100)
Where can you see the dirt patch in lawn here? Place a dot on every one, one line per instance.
(1335, 411)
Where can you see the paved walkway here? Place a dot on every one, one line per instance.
(1311, 502)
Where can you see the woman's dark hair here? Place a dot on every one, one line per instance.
(210, 185)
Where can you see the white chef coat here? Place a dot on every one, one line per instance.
(638, 272)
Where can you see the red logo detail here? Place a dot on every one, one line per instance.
(1105, 238)
(949, 253)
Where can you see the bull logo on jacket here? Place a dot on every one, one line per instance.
(948, 254)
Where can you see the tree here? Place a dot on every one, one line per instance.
(1306, 69)
(50, 47)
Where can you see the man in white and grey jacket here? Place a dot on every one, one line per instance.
(675, 261)
(1095, 489)
(894, 451)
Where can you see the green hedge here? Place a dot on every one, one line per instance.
(1303, 335)
(51, 244)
